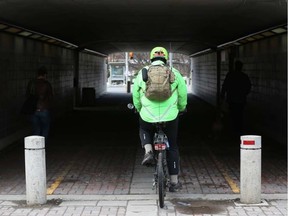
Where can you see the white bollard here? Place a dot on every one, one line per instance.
(250, 169)
(35, 170)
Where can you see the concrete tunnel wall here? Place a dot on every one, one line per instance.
(265, 62)
(19, 60)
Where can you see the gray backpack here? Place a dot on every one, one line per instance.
(158, 80)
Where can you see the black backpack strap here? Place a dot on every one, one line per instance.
(145, 74)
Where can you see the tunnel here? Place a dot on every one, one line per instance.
(94, 147)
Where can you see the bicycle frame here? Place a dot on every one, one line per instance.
(161, 177)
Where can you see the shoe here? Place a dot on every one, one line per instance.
(148, 159)
(174, 187)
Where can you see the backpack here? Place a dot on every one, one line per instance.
(158, 80)
(30, 104)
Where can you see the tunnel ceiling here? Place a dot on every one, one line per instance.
(108, 26)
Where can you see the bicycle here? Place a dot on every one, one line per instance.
(161, 175)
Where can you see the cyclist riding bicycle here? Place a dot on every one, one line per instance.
(151, 111)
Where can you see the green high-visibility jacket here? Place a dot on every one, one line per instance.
(156, 111)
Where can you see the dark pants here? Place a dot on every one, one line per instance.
(146, 133)
(236, 115)
(41, 124)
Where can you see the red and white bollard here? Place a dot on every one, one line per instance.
(250, 169)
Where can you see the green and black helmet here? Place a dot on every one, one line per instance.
(159, 53)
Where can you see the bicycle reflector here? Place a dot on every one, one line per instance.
(159, 146)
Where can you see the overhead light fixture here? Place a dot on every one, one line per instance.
(44, 38)
(258, 36)
(250, 39)
(94, 52)
(279, 30)
(201, 52)
(51, 41)
(57, 42)
(25, 33)
(267, 33)
(35, 36)
(12, 30)
(243, 41)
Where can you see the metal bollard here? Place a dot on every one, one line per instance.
(250, 169)
(128, 86)
(35, 170)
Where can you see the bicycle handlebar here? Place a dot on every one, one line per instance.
(132, 107)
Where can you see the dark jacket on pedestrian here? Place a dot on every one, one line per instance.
(236, 86)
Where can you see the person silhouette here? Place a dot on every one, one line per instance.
(235, 88)
(43, 91)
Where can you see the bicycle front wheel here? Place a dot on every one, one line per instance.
(160, 180)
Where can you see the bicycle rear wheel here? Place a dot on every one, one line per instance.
(160, 180)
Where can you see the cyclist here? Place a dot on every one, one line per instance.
(155, 111)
